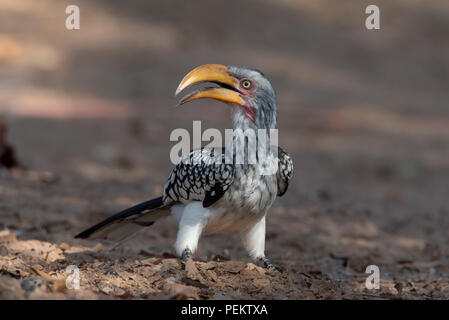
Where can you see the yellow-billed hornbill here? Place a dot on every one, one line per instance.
(209, 191)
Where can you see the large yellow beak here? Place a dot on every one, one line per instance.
(217, 74)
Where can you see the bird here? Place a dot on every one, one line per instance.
(209, 191)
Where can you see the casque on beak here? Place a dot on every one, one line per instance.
(215, 73)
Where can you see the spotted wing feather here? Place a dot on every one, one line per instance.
(285, 171)
(203, 175)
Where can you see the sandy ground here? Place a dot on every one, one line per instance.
(364, 115)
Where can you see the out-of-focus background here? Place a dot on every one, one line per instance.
(88, 114)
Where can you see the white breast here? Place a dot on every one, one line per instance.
(246, 201)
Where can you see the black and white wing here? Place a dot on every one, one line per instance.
(285, 171)
(203, 175)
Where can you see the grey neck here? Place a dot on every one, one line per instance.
(251, 137)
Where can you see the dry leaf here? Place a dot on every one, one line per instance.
(59, 285)
(194, 283)
(251, 268)
(191, 270)
(6, 235)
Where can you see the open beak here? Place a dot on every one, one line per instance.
(215, 73)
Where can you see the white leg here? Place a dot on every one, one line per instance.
(254, 240)
(191, 225)
(177, 210)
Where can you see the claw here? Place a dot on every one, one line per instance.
(186, 254)
(267, 264)
(112, 272)
(273, 267)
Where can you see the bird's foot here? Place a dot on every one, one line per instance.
(111, 271)
(186, 254)
(267, 264)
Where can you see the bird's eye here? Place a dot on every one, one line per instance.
(246, 84)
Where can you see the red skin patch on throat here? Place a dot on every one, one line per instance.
(250, 112)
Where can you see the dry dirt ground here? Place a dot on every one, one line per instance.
(363, 113)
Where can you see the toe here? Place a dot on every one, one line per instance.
(273, 267)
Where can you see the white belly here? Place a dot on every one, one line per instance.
(230, 221)
(214, 219)
(241, 207)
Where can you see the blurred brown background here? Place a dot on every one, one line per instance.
(363, 113)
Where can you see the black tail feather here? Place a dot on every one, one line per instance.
(122, 215)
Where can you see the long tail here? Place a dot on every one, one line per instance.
(126, 223)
